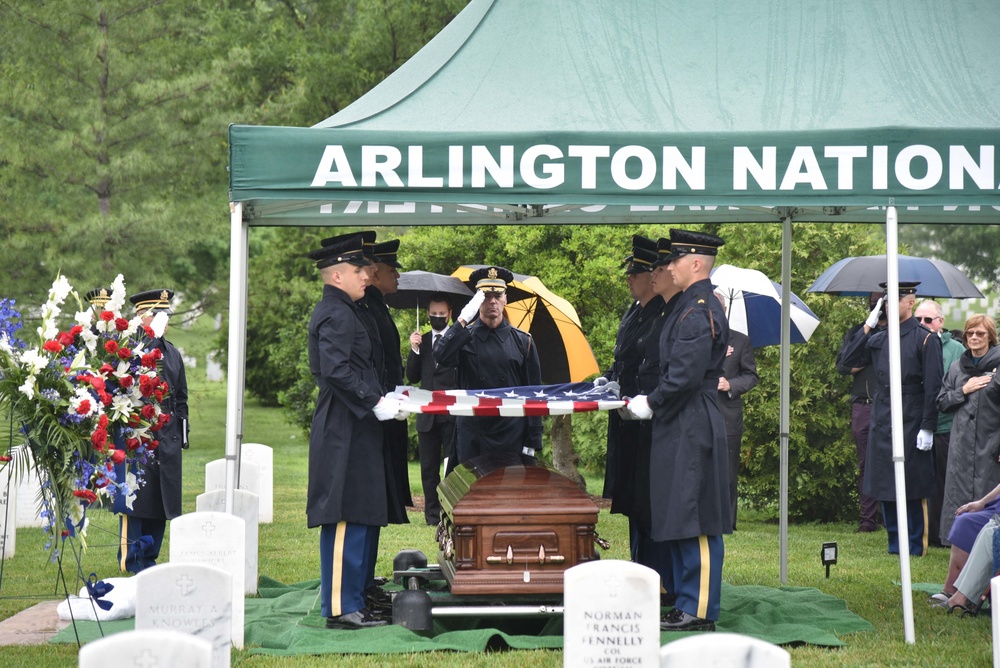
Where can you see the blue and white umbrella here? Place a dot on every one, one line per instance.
(753, 304)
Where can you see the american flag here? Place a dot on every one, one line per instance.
(512, 401)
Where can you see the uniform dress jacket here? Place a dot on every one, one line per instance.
(689, 466)
(160, 496)
(396, 438)
(921, 371)
(432, 376)
(346, 473)
(635, 328)
(973, 469)
(488, 358)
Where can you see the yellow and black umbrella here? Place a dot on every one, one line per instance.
(563, 350)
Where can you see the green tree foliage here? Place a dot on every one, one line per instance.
(971, 247)
(114, 152)
(822, 458)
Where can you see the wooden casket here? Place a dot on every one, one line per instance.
(512, 525)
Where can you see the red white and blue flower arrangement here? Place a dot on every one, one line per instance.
(86, 400)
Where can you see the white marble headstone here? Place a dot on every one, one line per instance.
(214, 539)
(29, 512)
(731, 650)
(611, 615)
(244, 507)
(148, 649)
(8, 516)
(263, 456)
(213, 370)
(215, 476)
(188, 598)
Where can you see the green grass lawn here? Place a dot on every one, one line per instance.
(865, 576)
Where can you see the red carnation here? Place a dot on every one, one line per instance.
(132, 443)
(124, 353)
(121, 324)
(85, 494)
(99, 438)
(153, 445)
(159, 396)
(106, 369)
(97, 383)
(75, 330)
(105, 398)
(157, 354)
(149, 331)
(65, 338)
(146, 385)
(111, 346)
(148, 411)
(117, 456)
(102, 422)
(84, 407)
(52, 346)
(133, 420)
(125, 382)
(107, 316)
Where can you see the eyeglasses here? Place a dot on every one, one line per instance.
(975, 334)
(927, 319)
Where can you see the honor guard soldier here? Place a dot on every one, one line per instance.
(97, 298)
(688, 463)
(921, 370)
(347, 476)
(489, 353)
(159, 498)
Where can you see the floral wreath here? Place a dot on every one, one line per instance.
(86, 401)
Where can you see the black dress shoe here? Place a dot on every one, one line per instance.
(678, 620)
(668, 600)
(867, 528)
(359, 619)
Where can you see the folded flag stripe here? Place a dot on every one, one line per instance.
(530, 400)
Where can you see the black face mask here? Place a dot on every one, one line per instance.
(438, 322)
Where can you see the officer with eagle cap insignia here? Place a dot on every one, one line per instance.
(689, 458)
(490, 353)
(141, 528)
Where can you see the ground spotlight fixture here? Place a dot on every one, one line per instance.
(828, 555)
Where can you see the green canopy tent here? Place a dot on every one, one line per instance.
(580, 111)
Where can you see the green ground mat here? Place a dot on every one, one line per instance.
(284, 620)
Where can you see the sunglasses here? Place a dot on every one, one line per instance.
(974, 334)
(927, 319)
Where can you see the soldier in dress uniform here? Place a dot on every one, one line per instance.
(159, 498)
(347, 476)
(921, 370)
(97, 298)
(688, 463)
(490, 353)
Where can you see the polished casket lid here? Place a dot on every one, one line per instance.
(490, 488)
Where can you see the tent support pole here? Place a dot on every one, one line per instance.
(239, 234)
(896, 404)
(786, 339)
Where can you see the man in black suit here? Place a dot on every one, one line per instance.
(435, 433)
(739, 376)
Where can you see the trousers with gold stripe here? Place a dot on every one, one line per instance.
(139, 542)
(343, 561)
(916, 522)
(697, 574)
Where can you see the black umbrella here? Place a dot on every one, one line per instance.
(860, 276)
(415, 287)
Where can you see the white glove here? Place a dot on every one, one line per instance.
(600, 381)
(638, 407)
(925, 439)
(471, 309)
(402, 413)
(872, 320)
(387, 408)
(528, 451)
